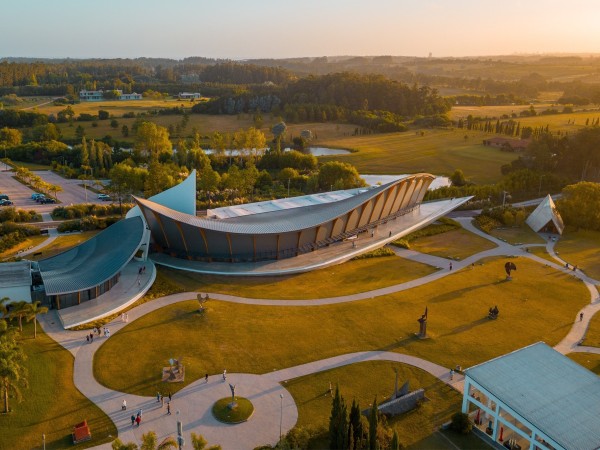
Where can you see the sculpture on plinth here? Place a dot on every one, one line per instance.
(423, 325)
(509, 267)
(493, 313)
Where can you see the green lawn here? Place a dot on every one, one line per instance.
(590, 361)
(592, 335)
(63, 243)
(439, 152)
(348, 278)
(364, 382)
(458, 243)
(52, 404)
(30, 165)
(538, 304)
(541, 252)
(31, 241)
(517, 235)
(581, 248)
(449, 440)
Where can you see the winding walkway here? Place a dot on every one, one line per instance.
(273, 403)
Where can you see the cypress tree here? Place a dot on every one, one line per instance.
(338, 422)
(355, 426)
(395, 445)
(373, 422)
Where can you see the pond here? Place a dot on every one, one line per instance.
(373, 180)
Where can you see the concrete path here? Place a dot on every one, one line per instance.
(272, 402)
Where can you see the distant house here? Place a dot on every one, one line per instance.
(89, 96)
(507, 144)
(132, 96)
(94, 96)
(189, 95)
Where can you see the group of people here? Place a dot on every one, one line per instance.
(124, 317)
(136, 419)
(90, 337)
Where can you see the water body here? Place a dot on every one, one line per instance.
(316, 151)
(373, 180)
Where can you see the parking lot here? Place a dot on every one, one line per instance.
(20, 194)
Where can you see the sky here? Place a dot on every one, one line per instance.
(245, 29)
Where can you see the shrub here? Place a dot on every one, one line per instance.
(461, 423)
(402, 243)
(69, 225)
(383, 251)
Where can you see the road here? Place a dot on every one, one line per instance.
(20, 194)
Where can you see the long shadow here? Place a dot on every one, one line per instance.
(401, 343)
(467, 327)
(452, 295)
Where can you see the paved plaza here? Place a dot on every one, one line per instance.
(194, 402)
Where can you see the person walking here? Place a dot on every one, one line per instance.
(138, 420)
(132, 420)
(87, 338)
(224, 374)
(157, 397)
(170, 396)
(91, 337)
(450, 266)
(581, 317)
(206, 378)
(162, 401)
(169, 408)
(124, 405)
(451, 374)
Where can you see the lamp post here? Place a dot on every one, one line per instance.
(504, 198)
(180, 440)
(280, 416)
(44, 441)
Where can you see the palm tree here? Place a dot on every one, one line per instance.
(150, 442)
(32, 310)
(12, 373)
(199, 443)
(19, 310)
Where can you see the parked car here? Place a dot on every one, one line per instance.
(35, 195)
(5, 202)
(104, 197)
(47, 200)
(39, 198)
(3, 197)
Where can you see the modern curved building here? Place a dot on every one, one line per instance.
(275, 229)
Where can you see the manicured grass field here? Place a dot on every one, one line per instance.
(364, 382)
(240, 413)
(592, 335)
(590, 361)
(517, 235)
(439, 152)
(30, 165)
(63, 243)
(581, 248)
(455, 244)
(348, 278)
(52, 404)
(541, 252)
(538, 304)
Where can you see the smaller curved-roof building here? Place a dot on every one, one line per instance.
(92, 268)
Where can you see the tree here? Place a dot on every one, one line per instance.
(114, 123)
(395, 442)
(150, 442)
(13, 374)
(356, 426)
(117, 444)
(10, 137)
(373, 424)
(461, 423)
(458, 178)
(339, 175)
(338, 422)
(580, 205)
(152, 139)
(125, 130)
(32, 310)
(199, 443)
(278, 133)
(19, 310)
(103, 115)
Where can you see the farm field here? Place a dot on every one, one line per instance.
(440, 152)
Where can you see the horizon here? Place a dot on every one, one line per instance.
(237, 30)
